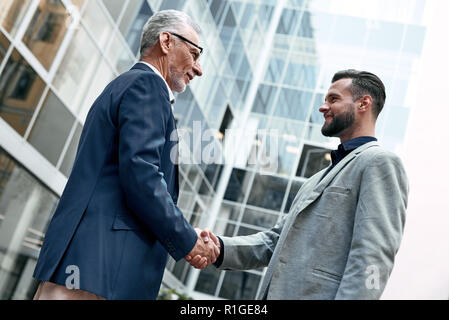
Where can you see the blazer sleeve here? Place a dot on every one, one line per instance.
(143, 116)
(250, 252)
(378, 228)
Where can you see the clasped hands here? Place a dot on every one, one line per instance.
(205, 251)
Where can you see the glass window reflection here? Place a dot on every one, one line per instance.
(77, 69)
(52, 128)
(69, 158)
(26, 207)
(4, 45)
(293, 104)
(313, 159)
(239, 285)
(47, 30)
(20, 91)
(11, 14)
(267, 192)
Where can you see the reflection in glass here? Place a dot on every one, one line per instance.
(11, 14)
(239, 285)
(99, 80)
(77, 69)
(313, 159)
(208, 280)
(20, 91)
(238, 185)
(135, 29)
(293, 104)
(119, 54)
(267, 192)
(46, 31)
(264, 99)
(25, 210)
(259, 218)
(51, 129)
(296, 185)
(69, 158)
(129, 15)
(4, 45)
(114, 7)
(97, 22)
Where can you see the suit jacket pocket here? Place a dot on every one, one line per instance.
(337, 189)
(326, 275)
(123, 221)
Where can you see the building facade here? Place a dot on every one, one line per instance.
(267, 67)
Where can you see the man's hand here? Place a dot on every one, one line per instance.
(205, 252)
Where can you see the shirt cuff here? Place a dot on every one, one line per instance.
(219, 260)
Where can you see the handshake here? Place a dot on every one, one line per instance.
(205, 252)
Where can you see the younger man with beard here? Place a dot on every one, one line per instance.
(345, 225)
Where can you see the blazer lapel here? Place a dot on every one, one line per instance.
(318, 185)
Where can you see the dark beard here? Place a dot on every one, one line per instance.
(339, 123)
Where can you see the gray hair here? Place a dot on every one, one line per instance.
(165, 21)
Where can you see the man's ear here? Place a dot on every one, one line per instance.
(365, 103)
(165, 42)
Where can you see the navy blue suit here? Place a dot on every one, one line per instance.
(117, 218)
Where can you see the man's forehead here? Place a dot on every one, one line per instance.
(340, 86)
(192, 35)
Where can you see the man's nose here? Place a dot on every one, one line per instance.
(197, 69)
(324, 108)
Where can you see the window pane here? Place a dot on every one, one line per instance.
(52, 127)
(293, 104)
(74, 76)
(4, 45)
(129, 15)
(238, 185)
(98, 23)
(282, 146)
(239, 285)
(20, 91)
(119, 54)
(267, 192)
(97, 83)
(313, 159)
(69, 159)
(26, 207)
(114, 7)
(135, 29)
(11, 14)
(208, 281)
(296, 185)
(259, 218)
(46, 31)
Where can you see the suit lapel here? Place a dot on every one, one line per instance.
(317, 185)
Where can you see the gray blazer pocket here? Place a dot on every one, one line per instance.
(336, 189)
(326, 275)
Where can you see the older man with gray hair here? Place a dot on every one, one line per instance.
(118, 218)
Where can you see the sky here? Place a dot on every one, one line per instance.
(422, 265)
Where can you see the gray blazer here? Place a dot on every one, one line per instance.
(340, 237)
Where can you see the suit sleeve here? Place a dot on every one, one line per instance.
(143, 117)
(378, 227)
(250, 252)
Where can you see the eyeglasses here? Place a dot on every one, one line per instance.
(188, 41)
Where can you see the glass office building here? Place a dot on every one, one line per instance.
(267, 66)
